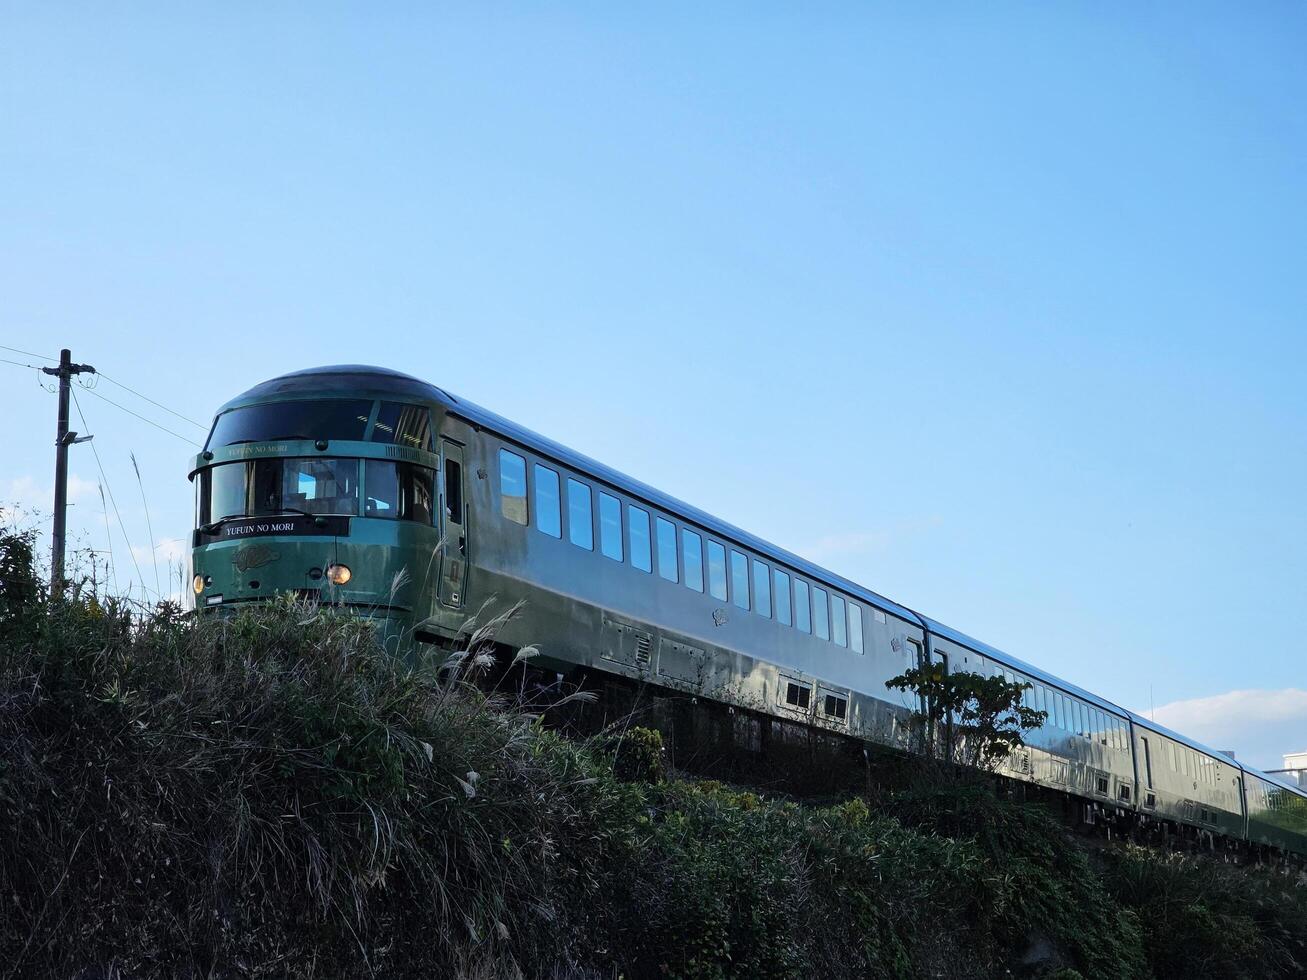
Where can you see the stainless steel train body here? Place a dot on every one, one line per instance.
(617, 577)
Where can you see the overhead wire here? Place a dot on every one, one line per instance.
(147, 398)
(28, 353)
(121, 527)
(176, 435)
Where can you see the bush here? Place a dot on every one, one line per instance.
(638, 756)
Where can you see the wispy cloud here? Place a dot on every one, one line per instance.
(1260, 726)
(166, 551)
(867, 542)
(33, 495)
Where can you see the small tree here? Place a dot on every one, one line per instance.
(966, 718)
(19, 587)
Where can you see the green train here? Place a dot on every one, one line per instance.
(370, 488)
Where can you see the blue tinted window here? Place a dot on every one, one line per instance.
(692, 559)
(548, 513)
(820, 613)
(512, 486)
(802, 607)
(781, 581)
(638, 538)
(855, 627)
(610, 526)
(838, 621)
(580, 527)
(716, 570)
(666, 549)
(740, 579)
(761, 588)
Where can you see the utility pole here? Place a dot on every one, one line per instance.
(63, 440)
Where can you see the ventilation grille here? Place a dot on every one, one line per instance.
(643, 648)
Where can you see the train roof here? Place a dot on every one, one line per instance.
(971, 643)
(343, 378)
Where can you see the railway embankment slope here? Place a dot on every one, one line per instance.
(273, 796)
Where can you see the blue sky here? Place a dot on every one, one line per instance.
(997, 311)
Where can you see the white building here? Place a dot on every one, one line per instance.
(1295, 768)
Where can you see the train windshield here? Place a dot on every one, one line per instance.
(265, 487)
(331, 418)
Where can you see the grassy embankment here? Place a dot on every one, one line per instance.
(273, 797)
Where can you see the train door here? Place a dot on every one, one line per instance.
(453, 551)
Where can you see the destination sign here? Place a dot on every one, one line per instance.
(299, 525)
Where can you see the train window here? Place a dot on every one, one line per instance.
(403, 425)
(781, 588)
(328, 418)
(453, 491)
(716, 570)
(839, 621)
(580, 522)
(610, 526)
(399, 491)
(855, 627)
(1124, 792)
(692, 559)
(549, 518)
(798, 695)
(740, 579)
(1148, 762)
(802, 607)
(666, 532)
(637, 537)
(820, 613)
(761, 588)
(1101, 785)
(835, 706)
(512, 486)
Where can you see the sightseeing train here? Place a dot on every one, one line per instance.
(372, 489)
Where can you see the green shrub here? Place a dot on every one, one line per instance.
(638, 756)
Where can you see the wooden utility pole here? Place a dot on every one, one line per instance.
(63, 440)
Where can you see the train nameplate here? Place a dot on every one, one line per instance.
(287, 525)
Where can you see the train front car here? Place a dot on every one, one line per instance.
(324, 483)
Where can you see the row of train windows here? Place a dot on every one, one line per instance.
(749, 583)
(1185, 761)
(1195, 765)
(1070, 715)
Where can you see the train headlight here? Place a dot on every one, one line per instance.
(338, 574)
(197, 584)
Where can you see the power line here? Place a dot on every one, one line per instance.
(123, 408)
(121, 527)
(152, 401)
(28, 353)
(113, 381)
